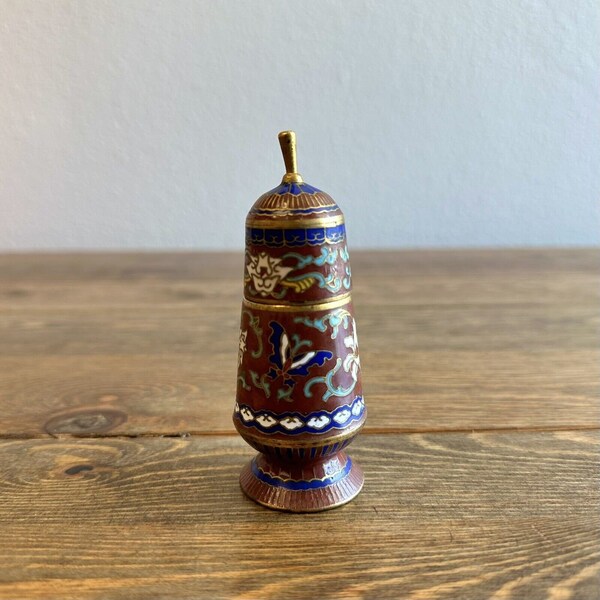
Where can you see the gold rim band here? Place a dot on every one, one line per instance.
(336, 303)
(291, 224)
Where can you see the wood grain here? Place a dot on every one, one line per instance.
(144, 344)
(470, 516)
(489, 359)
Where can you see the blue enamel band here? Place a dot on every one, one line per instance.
(293, 423)
(299, 485)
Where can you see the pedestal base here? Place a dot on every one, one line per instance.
(322, 484)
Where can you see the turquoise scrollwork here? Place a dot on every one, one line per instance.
(261, 383)
(347, 281)
(258, 382)
(328, 256)
(331, 283)
(254, 324)
(350, 363)
(332, 390)
(335, 318)
(242, 380)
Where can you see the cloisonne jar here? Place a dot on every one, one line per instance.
(299, 397)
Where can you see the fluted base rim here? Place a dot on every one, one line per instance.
(278, 497)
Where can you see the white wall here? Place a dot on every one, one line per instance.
(147, 124)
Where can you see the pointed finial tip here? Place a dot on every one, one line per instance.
(287, 141)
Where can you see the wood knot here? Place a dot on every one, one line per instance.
(78, 469)
(86, 421)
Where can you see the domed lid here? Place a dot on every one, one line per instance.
(293, 200)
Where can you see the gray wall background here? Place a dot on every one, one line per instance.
(149, 124)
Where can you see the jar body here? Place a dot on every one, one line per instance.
(299, 394)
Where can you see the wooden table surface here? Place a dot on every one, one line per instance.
(119, 461)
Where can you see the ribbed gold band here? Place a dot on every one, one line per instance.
(337, 302)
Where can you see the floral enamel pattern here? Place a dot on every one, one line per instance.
(265, 272)
(274, 276)
(291, 359)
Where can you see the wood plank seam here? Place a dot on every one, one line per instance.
(215, 434)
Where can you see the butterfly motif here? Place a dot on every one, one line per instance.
(288, 362)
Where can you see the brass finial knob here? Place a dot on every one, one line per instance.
(287, 141)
